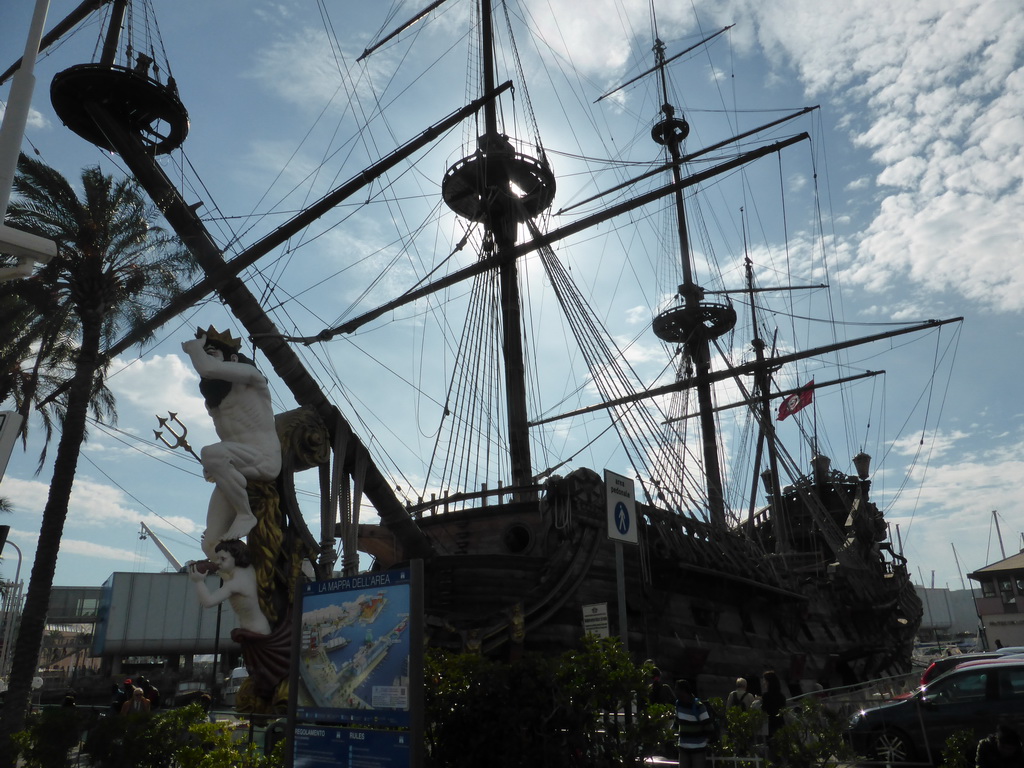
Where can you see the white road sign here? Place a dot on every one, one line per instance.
(595, 619)
(622, 525)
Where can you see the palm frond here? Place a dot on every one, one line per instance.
(115, 267)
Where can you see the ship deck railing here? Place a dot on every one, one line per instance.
(470, 500)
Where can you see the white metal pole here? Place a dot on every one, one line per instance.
(28, 248)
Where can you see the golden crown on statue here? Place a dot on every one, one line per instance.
(224, 339)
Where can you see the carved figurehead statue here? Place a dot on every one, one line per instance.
(238, 401)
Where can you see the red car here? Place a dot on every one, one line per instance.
(945, 663)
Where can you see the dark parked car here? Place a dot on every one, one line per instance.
(977, 696)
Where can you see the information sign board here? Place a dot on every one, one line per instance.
(354, 650)
(622, 523)
(357, 679)
(326, 745)
(595, 619)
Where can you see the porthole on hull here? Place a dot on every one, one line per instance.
(517, 539)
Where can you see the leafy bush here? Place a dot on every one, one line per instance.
(48, 737)
(812, 736)
(960, 749)
(540, 710)
(178, 738)
(742, 733)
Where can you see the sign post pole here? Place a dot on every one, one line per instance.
(620, 576)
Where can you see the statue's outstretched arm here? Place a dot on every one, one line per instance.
(207, 599)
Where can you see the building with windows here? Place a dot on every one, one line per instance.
(999, 600)
(135, 624)
(67, 642)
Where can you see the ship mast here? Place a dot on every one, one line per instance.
(766, 432)
(503, 188)
(503, 227)
(692, 322)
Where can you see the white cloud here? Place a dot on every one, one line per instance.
(92, 505)
(90, 549)
(951, 501)
(157, 384)
(639, 315)
(36, 120)
(327, 72)
(603, 18)
(935, 91)
(25, 494)
(939, 444)
(72, 546)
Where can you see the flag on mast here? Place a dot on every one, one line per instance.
(797, 401)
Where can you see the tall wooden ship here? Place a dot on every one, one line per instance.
(750, 554)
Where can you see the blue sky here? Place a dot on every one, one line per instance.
(918, 155)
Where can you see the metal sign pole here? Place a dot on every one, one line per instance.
(620, 576)
(622, 528)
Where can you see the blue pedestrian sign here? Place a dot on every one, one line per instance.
(621, 518)
(622, 524)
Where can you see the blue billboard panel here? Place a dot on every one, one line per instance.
(354, 651)
(324, 746)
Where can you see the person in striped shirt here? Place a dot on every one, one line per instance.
(693, 727)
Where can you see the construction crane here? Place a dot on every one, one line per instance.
(147, 533)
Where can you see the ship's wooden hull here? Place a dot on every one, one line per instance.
(703, 604)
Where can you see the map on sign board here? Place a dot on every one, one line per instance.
(354, 650)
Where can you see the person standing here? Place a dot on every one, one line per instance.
(136, 705)
(740, 697)
(150, 692)
(122, 693)
(663, 695)
(773, 702)
(661, 692)
(1001, 749)
(693, 727)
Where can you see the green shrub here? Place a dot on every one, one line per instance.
(48, 737)
(741, 735)
(177, 738)
(540, 710)
(960, 749)
(811, 737)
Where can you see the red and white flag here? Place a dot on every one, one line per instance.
(798, 400)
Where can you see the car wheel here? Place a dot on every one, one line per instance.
(892, 747)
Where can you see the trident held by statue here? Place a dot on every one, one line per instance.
(179, 440)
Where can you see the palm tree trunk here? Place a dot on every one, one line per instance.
(37, 600)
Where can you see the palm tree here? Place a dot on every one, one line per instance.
(113, 268)
(37, 361)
